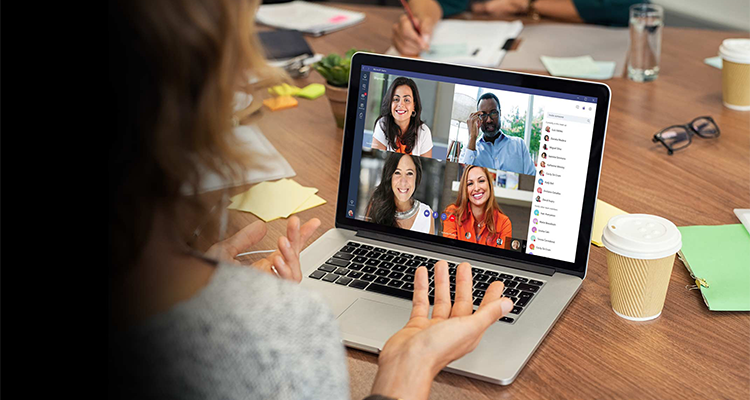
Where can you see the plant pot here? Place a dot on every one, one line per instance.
(337, 97)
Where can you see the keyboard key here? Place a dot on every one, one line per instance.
(507, 319)
(537, 283)
(452, 265)
(353, 244)
(451, 271)
(407, 255)
(390, 291)
(366, 247)
(477, 301)
(382, 280)
(490, 273)
(510, 284)
(408, 278)
(359, 284)
(354, 274)
(516, 310)
(515, 300)
(373, 263)
(395, 283)
(373, 255)
(355, 267)
(481, 286)
(410, 270)
(432, 261)
(511, 292)
(420, 258)
(368, 269)
(408, 286)
(482, 278)
(478, 294)
(386, 257)
(522, 302)
(359, 260)
(525, 295)
(528, 288)
(327, 268)
(360, 252)
(394, 253)
(400, 260)
(382, 272)
(317, 274)
(413, 263)
(452, 279)
(330, 277)
(387, 265)
(347, 249)
(475, 270)
(506, 276)
(341, 271)
(399, 268)
(518, 278)
(380, 250)
(344, 280)
(396, 275)
(338, 262)
(369, 277)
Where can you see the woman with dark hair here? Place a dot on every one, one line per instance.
(393, 203)
(400, 127)
(478, 217)
(194, 323)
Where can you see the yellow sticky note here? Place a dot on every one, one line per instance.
(312, 91)
(284, 89)
(313, 201)
(604, 212)
(280, 103)
(272, 200)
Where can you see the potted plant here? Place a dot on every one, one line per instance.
(335, 70)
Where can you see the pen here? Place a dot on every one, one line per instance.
(411, 16)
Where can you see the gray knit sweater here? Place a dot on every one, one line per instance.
(246, 335)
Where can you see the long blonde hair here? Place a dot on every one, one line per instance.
(462, 201)
(175, 66)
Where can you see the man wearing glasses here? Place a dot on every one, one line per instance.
(494, 150)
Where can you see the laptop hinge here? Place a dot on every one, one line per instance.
(457, 253)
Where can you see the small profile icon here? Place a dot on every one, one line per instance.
(544, 146)
(543, 164)
(536, 221)
(351, 213)
(427, 213)
(531, 246)
(538, 199)
(541, 172)
(541, 181)
(544, 155)
(533, 229)
(546, 130)
(536, 212)
(539, 190)
(546, 138)
(515, 244)
(533, 238)
(435, 214)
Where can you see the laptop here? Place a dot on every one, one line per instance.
(543, 172)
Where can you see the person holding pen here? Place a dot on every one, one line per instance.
(428, 12)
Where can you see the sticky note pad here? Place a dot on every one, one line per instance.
(272, 200)
(280, 103)
(583, 67)
(604, 212)
(714, 62)
(312, 91)
(284, 89)
(313, 201)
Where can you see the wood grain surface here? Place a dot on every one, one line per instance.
(688, 352)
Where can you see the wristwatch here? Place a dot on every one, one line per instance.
(532, 12)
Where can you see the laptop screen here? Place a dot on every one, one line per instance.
(496, 165)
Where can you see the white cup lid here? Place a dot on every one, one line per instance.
(735, 50)
(641, 236)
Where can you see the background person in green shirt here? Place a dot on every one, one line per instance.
(428, 12)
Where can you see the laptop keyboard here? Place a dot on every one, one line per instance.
(390, 272)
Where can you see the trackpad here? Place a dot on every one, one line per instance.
(372, 323)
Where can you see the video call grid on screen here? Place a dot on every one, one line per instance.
(530, 217)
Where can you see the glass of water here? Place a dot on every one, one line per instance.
(646, 22)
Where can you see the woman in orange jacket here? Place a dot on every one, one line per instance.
(475, 216)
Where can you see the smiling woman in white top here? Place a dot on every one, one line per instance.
(400, 127)
(393, 203)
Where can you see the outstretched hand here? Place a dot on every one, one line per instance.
(285, 260)
(413, 356)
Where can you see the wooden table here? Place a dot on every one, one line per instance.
(688, 352)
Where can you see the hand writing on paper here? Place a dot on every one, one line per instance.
(406, 39)
(285, 259)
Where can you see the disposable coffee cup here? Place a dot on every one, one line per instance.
(735, 73)
(640, 254)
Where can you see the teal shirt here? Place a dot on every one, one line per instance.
(599, 12)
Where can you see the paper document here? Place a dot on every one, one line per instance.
(270, 163)
(719, 256)
(307, 17)
(604, 212)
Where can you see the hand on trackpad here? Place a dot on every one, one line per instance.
(372, 322)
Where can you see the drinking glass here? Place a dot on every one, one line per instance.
(646, 22)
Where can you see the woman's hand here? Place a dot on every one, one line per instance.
(500, 8)
(412, 357)
(285, 259)
(406, 39)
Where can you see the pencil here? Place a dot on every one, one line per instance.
(411, 16)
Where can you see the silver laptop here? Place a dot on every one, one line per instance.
(539, 142)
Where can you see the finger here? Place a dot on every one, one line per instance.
(292, 232)
(408, 34)
(307, 229)
(479, 8)
(464, 303)
(494, 292)
(420, 302)
(442, 307)
(405, 48)
(282, 268)
(291, 258)
(240, 241)
(490, 311)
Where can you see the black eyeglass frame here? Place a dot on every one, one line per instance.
(690, 130)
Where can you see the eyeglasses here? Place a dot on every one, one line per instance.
(677, 137)
(492, 114)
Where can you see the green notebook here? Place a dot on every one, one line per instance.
(718, 258)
